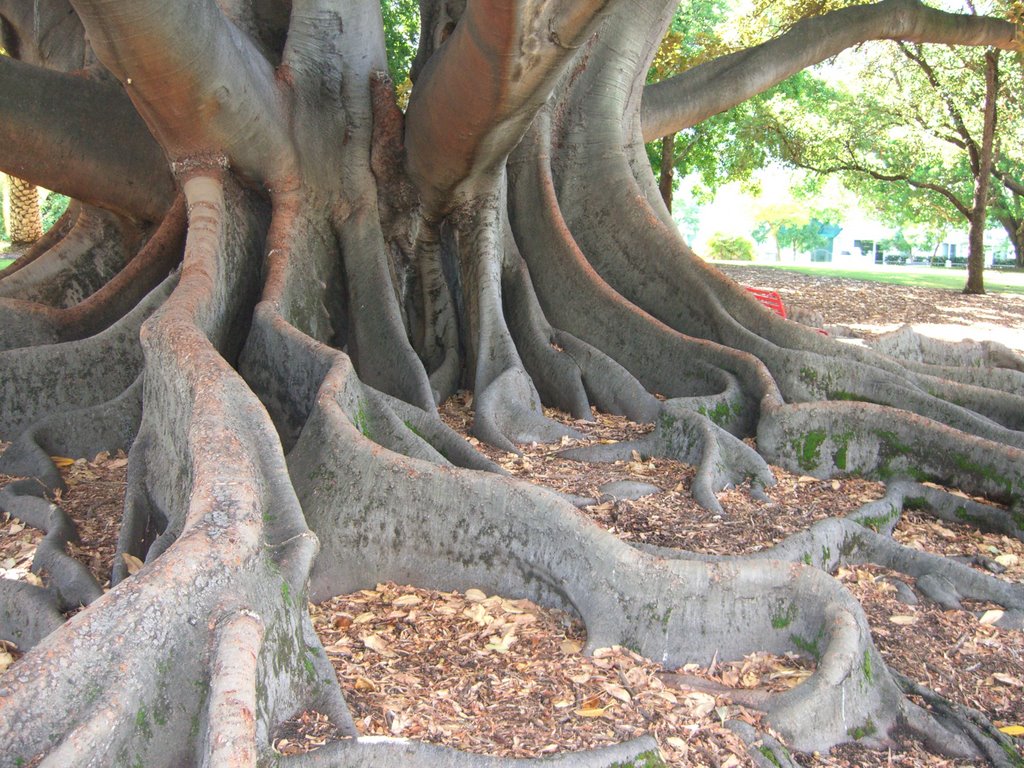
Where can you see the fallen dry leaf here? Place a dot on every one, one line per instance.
(1008, 679)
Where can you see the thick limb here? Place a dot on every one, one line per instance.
(478, 94)
(83, 138)
(209, 93)
(95, 249)
(47, 34)
(28, 324)
(682, 101)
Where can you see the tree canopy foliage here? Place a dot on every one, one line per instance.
(902, 123)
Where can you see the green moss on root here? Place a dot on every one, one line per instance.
(863, 731)
(876, 522)
(812, 647)
(808, 450)
(648, 759)
(842, 442)
(987, 472)
(362, 421)
(142, 723)
(962, 514)
(783, 620)
(721, 413)
(891, 443)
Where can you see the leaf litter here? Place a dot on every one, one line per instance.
(520, 685)
(506, 677)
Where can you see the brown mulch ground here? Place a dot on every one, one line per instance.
(859, 303)
(670, 518)
(507, 677)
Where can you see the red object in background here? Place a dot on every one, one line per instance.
(770, 299)
(773, 301)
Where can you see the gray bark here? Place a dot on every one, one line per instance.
(276, 393)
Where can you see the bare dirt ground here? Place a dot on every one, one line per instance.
(498, 675)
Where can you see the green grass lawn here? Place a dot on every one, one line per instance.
(996, 281)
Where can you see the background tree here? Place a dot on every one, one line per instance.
(343, 266)
(728, 146)
(730, 248)
(916, 139)
(22, 218)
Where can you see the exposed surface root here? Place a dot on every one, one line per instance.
(27, 613)
(664, 609)
(689, 436)
(102, 367)
(911, 347)
(823, 438)
(996, 747)
(231, 717)
(371, 752)
(93, 251)
(29, 323)
(70, 582)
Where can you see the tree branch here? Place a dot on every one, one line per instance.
(973, 152)
(683, 101)
(82, 138)
(48, 34)
(203, 86)
(905, 178)
(478, 93)
(1008, 181)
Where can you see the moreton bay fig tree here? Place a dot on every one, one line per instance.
(270, 275)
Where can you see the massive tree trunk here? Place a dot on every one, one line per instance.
(342, 268)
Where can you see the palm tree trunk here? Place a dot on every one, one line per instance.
(21, 211)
